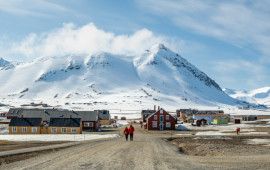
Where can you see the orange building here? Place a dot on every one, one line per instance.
(25, 126)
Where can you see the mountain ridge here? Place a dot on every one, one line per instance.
(157, 76)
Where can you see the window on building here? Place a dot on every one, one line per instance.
(14, 129)
(154, 124)
(161, 111)
(167, 117)
(88, 124)
(34, 129)
(54, 130)
(64, 130)
(24, 129)
(155, 117)
(168, 124)
(73, 130)
(161, 118)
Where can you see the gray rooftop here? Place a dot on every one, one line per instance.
(25, 122)
(46, 114)
(65, 122)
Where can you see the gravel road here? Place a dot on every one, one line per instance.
(147, 151)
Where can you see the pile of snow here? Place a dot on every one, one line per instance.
(56, 137)
(213, 137)
(224, 130)
(259, 141)
(4, 129)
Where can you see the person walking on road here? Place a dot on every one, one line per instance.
(126, 132)
(238, 131)
(131, 131)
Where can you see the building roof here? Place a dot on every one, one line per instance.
(46, 114)
(14, 112)
(148, 112)
(211, 115)
(25, 122)
(65, 122)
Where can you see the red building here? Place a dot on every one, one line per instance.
(161, 120)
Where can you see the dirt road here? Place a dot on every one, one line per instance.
(145, 152)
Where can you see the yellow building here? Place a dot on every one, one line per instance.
(25, 126)
(65, 126)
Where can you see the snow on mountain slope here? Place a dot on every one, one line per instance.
(104, 80)
(256, 96)
(4, 65)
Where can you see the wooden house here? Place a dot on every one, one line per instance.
(104, 116)
(146, 113)
(25, 125)
(249, 117)
(161, 120)
(209, 117)
(220, 121)
(65, 126)
(236, 121)
(90, 119)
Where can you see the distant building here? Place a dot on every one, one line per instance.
(25, 126)
(104, 116)
(65, 126)
(249, 117)
(161, 120)
(90, 119)
(146, 113)
(220, 121)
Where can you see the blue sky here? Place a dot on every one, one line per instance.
(228, 40)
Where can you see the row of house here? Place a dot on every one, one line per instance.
(56, 121)
(37, 126)
(185, 113)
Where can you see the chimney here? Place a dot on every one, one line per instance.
(158, 107)
(154, 107)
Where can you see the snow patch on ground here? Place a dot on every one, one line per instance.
(56, 137)
(259, 141)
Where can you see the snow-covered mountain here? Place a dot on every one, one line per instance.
(103, 80)
(256, 96)
(4, 65)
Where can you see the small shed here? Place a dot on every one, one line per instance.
(249, 117)
(236, 121)
(220, 121)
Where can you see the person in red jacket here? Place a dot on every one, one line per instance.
(131, 131)
(126, 132)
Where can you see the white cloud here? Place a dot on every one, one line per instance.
(242, 23)
(30, 7)
(249, 73)
(88, 39)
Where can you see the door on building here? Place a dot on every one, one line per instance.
(161, 126)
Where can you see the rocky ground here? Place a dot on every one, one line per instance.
(222, 146)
